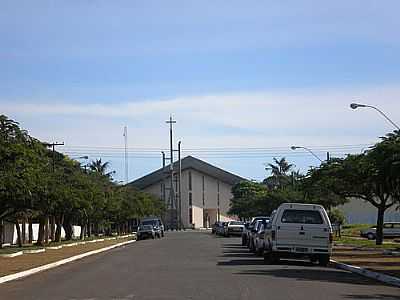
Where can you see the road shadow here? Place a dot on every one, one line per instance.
(241, 262)
(238, 254)
(373, 297)
(313, 274)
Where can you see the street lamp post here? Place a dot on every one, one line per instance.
(357, 105)
(305, 148)
(85, 157)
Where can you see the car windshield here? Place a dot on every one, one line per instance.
(150, 222)
(302, 216)
(145, 227)
(236, 223)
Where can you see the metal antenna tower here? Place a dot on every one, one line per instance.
(126, 153)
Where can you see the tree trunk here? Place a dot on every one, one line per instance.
(46, 230)
(40, 240)
(83, 232)
(19, 238)
(379, 225)
(53, 228)
(1, 233)
(69, 231)
(59, 222)
(24, 231)
(30, 231)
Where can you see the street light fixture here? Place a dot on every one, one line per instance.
(357, 105)
(309, 150)
(80, 157)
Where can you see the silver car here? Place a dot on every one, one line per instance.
(390, 229)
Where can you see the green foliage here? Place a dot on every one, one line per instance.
(30, 187)
(336, 216)
(373, 176)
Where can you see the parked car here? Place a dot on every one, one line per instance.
(253, 234)
(390, 229)
(244, 233)
(234, 228)
(214, 227)
(155, 222)
(299, 230)
(224, 229)
(249, 228)
(145, 231)
(259, 239)
(220, 228)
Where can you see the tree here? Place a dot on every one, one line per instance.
(373, 176)
(280, 177)
(245, 195)
(100, 167)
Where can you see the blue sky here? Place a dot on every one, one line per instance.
(235, 74)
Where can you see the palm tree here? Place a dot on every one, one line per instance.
(100, 167)
(279, 172)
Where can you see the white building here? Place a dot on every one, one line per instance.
(358, 211)
(205, 190)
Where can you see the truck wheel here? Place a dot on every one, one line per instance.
(323, 260)
(371, 236)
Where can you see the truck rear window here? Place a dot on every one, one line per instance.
(302, 216)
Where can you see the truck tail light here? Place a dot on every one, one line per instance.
(330, 237)
(273, 235)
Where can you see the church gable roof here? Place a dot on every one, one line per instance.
(189, 162)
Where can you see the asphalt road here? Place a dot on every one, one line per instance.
(192, 265)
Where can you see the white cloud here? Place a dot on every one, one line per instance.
(250, 119)
(307, 111)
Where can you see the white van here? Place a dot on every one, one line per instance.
(299, 230)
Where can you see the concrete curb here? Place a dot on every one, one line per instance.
(370, 274)
(34, 251)
(54, 247)
(15, 254)
(59, 263)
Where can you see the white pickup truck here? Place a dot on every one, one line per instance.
(297, 231)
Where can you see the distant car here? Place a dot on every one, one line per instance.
(155, 222)
(224, 229)
(145, 231)
(253, 234)
(214, 227)
(220, 228)
(390, 229)
(244, 233)
(250, 227)
(234, 228)
(259, 239)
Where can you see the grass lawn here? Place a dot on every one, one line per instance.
(13, 249)
(354, 229)
(351, 237)
(364, 243)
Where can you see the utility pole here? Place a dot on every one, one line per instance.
(53, 145)
(126, 153)
(171, 191)
(328, 156)
(179, 187)
(46, 221)
(163, 181)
